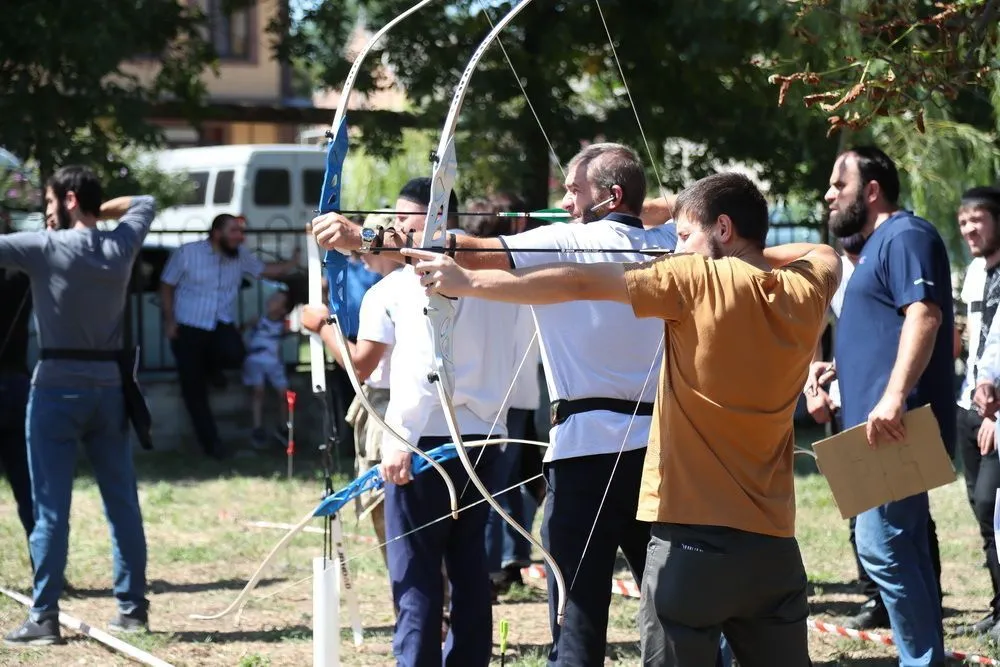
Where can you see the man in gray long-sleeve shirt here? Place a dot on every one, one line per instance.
(79, 278)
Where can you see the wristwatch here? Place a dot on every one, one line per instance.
(368, 236)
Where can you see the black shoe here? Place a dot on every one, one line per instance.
(873, 615)
(979, 628)
(137, 621)
(42, 633)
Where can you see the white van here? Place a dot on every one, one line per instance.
(275, 187)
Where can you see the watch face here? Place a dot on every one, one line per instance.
(368, 234)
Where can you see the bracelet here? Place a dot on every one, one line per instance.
(452, 244)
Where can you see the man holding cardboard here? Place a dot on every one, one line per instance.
(894, 353)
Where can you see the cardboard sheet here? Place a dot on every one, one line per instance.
(862, 477)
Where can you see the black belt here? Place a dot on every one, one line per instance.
(136, 408)
(80, 355)
(563, 409)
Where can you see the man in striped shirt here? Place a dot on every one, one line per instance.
(198, 290)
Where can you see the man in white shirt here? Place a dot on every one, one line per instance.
(979, 223)
(392, 315)
(600, 363)
(198, 291)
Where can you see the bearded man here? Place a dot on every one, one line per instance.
(894, 352)
(198, 291)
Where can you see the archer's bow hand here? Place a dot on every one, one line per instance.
(440, 274)
(314, 316)
(333, 231)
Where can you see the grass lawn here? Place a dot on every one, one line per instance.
(201, 554)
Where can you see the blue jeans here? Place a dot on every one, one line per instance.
(893, 547)
(58, 419)
(504, 545)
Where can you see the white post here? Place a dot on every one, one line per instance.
(345, 583)
(326, 613)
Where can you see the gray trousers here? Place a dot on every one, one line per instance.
(702, 581)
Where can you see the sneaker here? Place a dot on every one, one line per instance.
(979, 628)
(42, 633)
(873, 615)
(137, 621)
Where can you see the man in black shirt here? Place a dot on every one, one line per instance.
(15, 310)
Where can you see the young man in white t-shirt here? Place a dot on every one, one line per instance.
(979, 223)
(392, 318)
(600, 364)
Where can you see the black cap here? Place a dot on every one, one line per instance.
(418, 191)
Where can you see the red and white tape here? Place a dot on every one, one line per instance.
(829, 628)
(624, 587)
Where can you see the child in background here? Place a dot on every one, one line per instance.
(263, 363)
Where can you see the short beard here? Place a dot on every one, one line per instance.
(589, 215)
(715, 248)
(851, 220)
(229, 251)
(854, 243)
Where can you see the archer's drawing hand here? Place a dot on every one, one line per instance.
(440, 274)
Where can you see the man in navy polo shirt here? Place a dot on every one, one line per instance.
(894, 353)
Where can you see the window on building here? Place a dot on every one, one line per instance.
(272, 187)
(223, 187)
(196, 197)
(230, 29)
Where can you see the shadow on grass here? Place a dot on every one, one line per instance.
(272, 636)
(159, 586)
(186, 466)
(815, 588)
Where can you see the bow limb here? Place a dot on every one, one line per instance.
(440, 310)
(336, 262)
(386, 429)
(329, 506)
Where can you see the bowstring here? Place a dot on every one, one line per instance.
(503, 404)
(378, 547)
(660, 345)
(628, 92)
(517, 78)
(618, 458)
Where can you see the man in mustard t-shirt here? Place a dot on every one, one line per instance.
(741, 324)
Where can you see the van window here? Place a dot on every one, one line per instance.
(197, 196)
(272, 187)
(312, 183)
(223, 187)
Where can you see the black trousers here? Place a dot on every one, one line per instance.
(200, 354)
(982, 479)
(705, 581)
(13, 448)
(575, 490)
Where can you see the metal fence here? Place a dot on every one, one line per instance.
(144, 309)
(146, 316)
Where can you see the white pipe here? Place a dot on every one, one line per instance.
(326, 613)
(108, 640)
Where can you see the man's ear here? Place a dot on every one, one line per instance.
(618, 194)
(872, 191)
(725, 229)
(70, 202)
